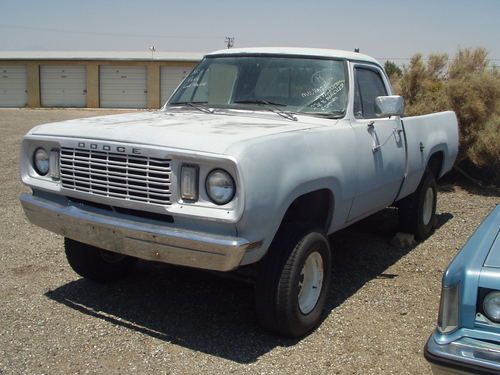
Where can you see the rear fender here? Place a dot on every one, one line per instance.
(425, 136)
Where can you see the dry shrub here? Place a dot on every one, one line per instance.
(485, 151)
(423, 86)
(468, 61)
(470, 87)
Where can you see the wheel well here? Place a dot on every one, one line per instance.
(435, 164)
(315, 207)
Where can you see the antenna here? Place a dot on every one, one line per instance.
(153, 50)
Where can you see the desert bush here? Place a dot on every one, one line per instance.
(484, 152)
(392, 69)
(469, 86)
(423, 85)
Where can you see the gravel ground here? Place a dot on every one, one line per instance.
(381, 309)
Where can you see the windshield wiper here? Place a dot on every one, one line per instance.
(332, 115)
(274, 107)
(259, 101)
(198, 105)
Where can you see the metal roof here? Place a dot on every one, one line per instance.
(177, 56)
(101, 55)
(299, 51)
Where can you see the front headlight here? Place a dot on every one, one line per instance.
(491, 306)
(220, 186)
(41, 161)
(448, 309)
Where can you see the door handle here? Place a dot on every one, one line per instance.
(378, 146)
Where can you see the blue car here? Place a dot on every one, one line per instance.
(467, 338)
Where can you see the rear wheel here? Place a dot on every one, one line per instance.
(291, 290)
(417, 212)
(97, 264)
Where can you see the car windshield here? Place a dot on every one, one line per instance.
(302, 85)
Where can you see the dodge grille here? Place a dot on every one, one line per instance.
(130, 177)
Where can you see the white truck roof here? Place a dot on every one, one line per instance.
(298, 51)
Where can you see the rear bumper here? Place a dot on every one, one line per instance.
(463, 356)
(142, 240)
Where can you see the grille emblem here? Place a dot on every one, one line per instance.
(109, 148)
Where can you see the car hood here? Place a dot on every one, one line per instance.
(493, 258)
(186, 129)
(479, 255)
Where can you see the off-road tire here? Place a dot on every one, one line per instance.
(412, 209)
(96, 264)
(277, 285)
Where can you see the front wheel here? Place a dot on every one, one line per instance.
(97, 264)
(291, 290)
(417, 212)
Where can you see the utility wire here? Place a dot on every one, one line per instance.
(109, 34)
(212, 37)
(423, 58)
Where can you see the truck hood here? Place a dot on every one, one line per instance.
(182, 129)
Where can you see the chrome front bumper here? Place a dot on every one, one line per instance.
(463, 356)
(142, 240)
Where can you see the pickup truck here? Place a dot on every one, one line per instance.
(256, 158)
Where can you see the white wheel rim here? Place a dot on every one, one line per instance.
(428, 205)
(310, 282)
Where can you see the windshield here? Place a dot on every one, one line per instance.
(295, 84)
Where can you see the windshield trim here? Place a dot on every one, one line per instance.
(291, 55)
(276, 55)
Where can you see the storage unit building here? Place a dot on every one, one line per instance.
(91, 79)
(13, 89)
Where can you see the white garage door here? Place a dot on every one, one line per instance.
(13, 80)
(123, 86)
(170, 79)
(63, 86)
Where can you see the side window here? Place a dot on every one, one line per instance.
(358, 108)
(369, 85)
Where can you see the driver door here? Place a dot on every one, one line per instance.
(380, 151)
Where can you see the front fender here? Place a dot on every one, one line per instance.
(277, 170)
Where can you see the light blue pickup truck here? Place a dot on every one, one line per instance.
(257, 157)
(467, 339)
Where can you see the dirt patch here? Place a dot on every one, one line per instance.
(166, 320)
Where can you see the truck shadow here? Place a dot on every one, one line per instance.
(214, 315)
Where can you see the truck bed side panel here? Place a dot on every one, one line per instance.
(425, 136)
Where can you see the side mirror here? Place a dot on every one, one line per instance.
(389, 106)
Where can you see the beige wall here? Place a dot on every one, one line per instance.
(153, 85)
(33, 84)
(153, 77)
(92, 85)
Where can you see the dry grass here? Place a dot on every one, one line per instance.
(165, 320)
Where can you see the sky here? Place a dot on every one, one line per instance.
(383, 29)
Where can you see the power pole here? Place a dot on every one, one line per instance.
(229, 41)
